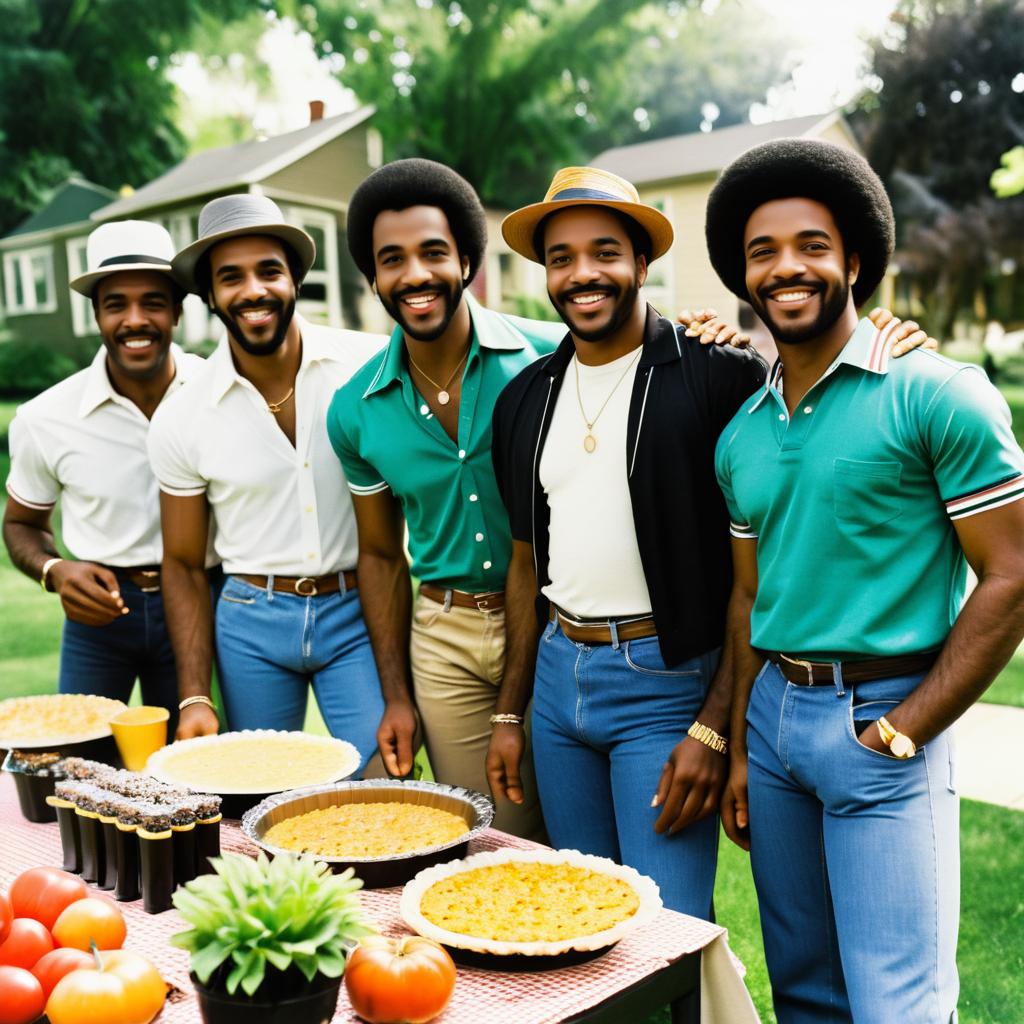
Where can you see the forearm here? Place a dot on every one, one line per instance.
(186, 596)
(982, 640)
(521, 635)
(746, 663)
(30, 547)
(714, 712)
(385, 592)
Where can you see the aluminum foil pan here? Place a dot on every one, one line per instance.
(378, 872)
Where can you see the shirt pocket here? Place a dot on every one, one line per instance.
(866, 495)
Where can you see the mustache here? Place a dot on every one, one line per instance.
(151, 334)
(791, 286)
(608, 289)
(420, 290)
(270, 304)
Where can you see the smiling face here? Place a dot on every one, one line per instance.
(136, 312)
(419, 273)
(594, 275)
(252, 291)
(798, 273)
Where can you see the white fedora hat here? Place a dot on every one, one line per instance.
(124, 245)
(243, 214)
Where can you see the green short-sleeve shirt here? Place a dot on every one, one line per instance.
(851, 501)
(387, 437)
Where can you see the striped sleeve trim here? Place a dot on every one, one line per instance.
(990, 497)
(45, 507)
(369, 488)
(743, 531)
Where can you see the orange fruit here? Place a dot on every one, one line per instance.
(90, 920)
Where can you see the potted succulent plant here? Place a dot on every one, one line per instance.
(268, 939)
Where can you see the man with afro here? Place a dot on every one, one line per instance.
(413, 432)
(859, 490)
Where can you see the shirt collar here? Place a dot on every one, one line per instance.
(867, 349)
(489, 330)
(318, 345)
(98, 388)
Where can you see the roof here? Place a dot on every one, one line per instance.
(232, 167)
(683, 156)
(71, 203)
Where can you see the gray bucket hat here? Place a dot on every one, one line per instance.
(244, 214)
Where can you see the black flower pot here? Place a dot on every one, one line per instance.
(315, 1005)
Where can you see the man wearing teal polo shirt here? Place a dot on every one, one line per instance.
(413, 432)
(859, 489)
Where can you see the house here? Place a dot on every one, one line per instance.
(676, 175)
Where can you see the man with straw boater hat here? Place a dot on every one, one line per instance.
(246, 442)
(83, 442)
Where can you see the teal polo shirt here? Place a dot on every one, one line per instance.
(387, 438)
(852, 501)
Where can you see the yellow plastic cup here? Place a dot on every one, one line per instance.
(139, 731)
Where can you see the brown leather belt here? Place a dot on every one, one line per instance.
(304, 586)
(599, 631)
(491, 602)
(819, 673)
(145, 577)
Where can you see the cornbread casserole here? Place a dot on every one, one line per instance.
(56, 718)
(367, 830)
(529, 902)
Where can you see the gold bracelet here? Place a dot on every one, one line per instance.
(199, 698)
(47, 566)
(506, 719)
(706, 735)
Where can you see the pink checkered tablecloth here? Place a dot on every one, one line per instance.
(533, 998)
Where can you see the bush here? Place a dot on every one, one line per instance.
(26, 368)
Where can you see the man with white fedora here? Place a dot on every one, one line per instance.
(246, 442)
(83, 442)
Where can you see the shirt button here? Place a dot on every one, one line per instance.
(424, 409)
(305, 465)
(311, 555)
(462, 453)
(479, 536)
(808, 408)
(309, 508)
(782, 415)
(473, 497)
(487, 565)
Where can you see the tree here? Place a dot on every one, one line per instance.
(82, 89)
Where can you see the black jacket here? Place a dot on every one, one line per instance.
(683, 395)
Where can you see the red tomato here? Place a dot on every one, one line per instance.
(399, 981)
(21, 996)
(42, 893)
(26, 942)
(50, 968)
(90, 920)
(6, 916)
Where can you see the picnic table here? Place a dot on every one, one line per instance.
(675, 960)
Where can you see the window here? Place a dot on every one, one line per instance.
(82, 320)
(28, 281)
(320, 297)
(658, 288)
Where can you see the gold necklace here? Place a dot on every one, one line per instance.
(443, 396)
(589, 441)
(276, 407)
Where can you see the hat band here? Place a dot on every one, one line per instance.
(155, 260)
(588, 193)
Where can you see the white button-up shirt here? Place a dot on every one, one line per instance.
(278, 509)
(84, 444)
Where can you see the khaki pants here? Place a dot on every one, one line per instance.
(458, 659)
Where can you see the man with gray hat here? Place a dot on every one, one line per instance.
(83, 442)
(247, 443)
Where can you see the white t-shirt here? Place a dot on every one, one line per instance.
(277, 509)
(594, 561)
(84, 444)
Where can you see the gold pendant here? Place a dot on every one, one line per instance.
(589, 443)
(443, 397)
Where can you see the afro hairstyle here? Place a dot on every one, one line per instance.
(416, 182)
(809, 169)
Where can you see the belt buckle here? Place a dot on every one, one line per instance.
(312, 592)
(806, 665)
(151, 574)
(483, 602)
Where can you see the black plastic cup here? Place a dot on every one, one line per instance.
(91, 832)
(184, 853)
(108, 828)
(156, 863)
(32, 793)
(127, 858)
(207, 844)
(70, 838)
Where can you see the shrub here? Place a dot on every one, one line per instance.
(26, 368)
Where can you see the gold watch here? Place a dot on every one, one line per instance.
(899, 744)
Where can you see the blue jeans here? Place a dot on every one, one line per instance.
(271, 646)
(855, 856)
(107, 660)
(605, 719)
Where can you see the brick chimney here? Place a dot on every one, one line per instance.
(316, 110)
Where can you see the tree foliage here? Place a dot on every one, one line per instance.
(82, 89)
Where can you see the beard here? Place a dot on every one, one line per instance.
(624, 302)
(125, 364)
(231, 316)
(393, 305)
(834, 299)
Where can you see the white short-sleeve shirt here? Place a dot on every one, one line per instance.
(277, 509)
(82, 443)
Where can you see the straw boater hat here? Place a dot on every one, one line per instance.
(124, 245)
(245, 214)
(586, 186)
